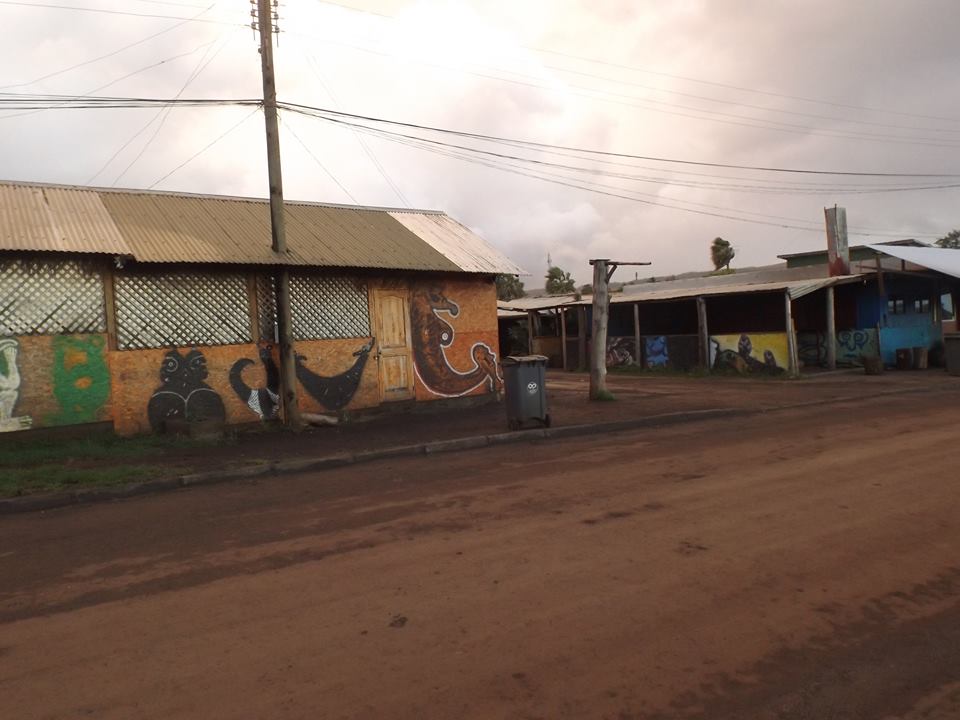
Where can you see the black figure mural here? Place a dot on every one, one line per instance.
(334, 393)
(432, 335)
(743, 361)
(265, 401)
(183, 394)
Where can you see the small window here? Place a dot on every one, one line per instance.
(946, 304)
(896, 306)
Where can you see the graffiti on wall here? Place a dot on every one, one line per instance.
(852, 345)
(656, 354)
(264, 401)
(183, 393)
(81, 379)
(10, 388)
(432, 335)
(620, 351)
(759, 353)
(335, 392)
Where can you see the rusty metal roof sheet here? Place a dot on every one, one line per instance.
(468, 250)
(40, 218)
(160, 227)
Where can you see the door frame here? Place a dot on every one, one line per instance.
(404, 294)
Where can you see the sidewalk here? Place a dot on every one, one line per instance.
(638, 397)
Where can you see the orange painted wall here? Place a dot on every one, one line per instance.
(475, 324)
(57, 380)
(70, 379)
(135, 375)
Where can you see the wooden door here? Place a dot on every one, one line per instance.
(394, 354)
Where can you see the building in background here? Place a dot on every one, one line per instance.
(143, 309)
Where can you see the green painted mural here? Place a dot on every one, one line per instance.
(81, 378)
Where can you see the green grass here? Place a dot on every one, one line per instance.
(20, 453)
(103, 460)
(48, 478)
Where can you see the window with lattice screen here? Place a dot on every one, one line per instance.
(50, 297)
(182, 309)
(325, 307)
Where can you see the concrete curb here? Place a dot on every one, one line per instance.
(32, 503)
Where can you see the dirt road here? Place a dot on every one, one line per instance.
(802, 564)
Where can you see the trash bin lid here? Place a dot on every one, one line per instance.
(526, 359)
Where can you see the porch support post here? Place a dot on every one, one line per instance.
(704, 333)
(530, 330)
(831, 330)
(582, 336)
(563, 336)
(636, 332)
(793, 361)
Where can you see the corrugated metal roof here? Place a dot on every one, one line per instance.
(796, 288)
(944, 260)
(525, 304)
(172, 227)
(458, 243)
(38, 218)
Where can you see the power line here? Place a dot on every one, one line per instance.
(603, 189)
(206, 147)
(110, 54)
(363, 143)
(650, 104)
(603, 153)
(317, 161)
(164, 113)
(105, 11)
(685, 78)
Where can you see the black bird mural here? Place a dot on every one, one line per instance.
(334, 393)
(264, 401)
(183, 394)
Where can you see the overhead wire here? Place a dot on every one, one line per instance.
(318, 161)
(106, 11)
(164, 113)
(110, 54)
(206, 147)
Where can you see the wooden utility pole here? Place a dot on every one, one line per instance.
(603, 270)
(288, 379)
(703, 334)
(831, 330)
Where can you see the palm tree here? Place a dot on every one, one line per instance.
(721, 253)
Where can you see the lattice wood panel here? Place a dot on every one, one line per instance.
(181, 309)
(50, 297)
(328, 307)
(266, 307)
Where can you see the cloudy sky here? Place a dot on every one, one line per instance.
(857, 86)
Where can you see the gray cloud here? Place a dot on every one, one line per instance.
(425, 66)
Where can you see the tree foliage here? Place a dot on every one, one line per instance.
(509, 287)
(950, 240)
(559, 282)
(721, 253)
(586, 289)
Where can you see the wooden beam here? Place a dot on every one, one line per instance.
(703, 333)
(563, 336)
(831, 330)
(793, 361)
(110, 307)
(636, 332)
(582, 336)
(253, 307)
(530, 330)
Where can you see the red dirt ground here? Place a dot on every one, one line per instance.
(801, 564)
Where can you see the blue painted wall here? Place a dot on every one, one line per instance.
(908, 329)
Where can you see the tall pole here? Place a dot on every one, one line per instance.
(598, 351)
(603, 270)
(288, 380)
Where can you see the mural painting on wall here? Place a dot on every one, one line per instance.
(852, 345)
(265, 401)
(10, 388)
(334, 393)
(81, 379)
(620, 351)
(655, 351)
(762, 353)
(183, 394)
(432, 335)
